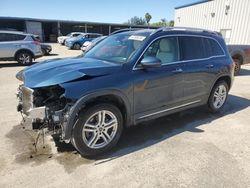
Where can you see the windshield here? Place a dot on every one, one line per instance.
(117, 48)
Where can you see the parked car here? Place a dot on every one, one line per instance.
(19, 46)
(61, 40)
(128, 78)
(76, 42)
(90, 44)
(46, 48)
(240, 54)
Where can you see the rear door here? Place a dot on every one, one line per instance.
(198, 69)
(9, 44)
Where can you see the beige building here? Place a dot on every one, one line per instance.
(230, 17)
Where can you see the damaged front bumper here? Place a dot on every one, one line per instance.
(25, 106)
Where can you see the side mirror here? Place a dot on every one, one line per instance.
(150, 62)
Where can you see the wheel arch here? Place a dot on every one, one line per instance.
(23, 50)
(114, 97)
(225, 78)
(239, 56)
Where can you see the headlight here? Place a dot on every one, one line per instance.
(20, 75)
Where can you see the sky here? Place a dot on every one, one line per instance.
(109, 11)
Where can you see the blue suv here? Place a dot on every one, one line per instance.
(128, 78)
(76, 42)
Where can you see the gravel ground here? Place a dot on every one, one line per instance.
(189, 149)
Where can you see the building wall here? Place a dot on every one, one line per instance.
(212, 15)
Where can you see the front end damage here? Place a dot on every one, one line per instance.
(46, 107)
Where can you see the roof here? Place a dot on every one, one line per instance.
(13, 32)
(191, 4)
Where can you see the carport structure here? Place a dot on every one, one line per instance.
(49, 30)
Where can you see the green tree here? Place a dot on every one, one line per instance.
(148, 17)
(136, 21)
(171, 23)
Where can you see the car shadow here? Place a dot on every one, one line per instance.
(51, 54)
(147, 134)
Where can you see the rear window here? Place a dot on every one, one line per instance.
(212, 47)
(191, 48)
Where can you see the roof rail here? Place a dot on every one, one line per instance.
(186, 29)
(126, 29)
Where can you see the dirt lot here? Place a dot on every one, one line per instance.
(189, 149)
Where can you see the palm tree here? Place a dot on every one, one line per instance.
(148, 17)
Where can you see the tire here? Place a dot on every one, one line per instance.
(218, 96)
(76, 46)
(44, 52)
(91, 136)
(237, 67)
(24, 58)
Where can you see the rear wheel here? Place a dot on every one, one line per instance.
(97, 129)
(237, 66)
(218, 96)
(76, 46)
(24, 58)
(44, 52)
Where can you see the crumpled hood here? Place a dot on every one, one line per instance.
(58, 71)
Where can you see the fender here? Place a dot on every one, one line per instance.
(69, 125)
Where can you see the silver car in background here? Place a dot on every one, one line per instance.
(19, 46)
(61, 40)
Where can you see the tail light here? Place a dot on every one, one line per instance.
(248, 51)
(36, 42)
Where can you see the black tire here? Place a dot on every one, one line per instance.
(24, 58)
(237, 67)
(76, 46)
(78, 136)
(44, 52)
(211, 100)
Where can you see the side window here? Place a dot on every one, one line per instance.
(165, 49)
(8, 37)
(20, 37)
(216, 49)
(212, 47)
(191, 48)
(1, 37)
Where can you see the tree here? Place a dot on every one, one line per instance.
(136, 21)
(163, 23)
(171, 23)
(148, 17)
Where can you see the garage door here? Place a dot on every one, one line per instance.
(34, 28)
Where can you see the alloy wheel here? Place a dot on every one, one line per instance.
(220, 96)
(100, 129)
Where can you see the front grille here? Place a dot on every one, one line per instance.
(26, 99)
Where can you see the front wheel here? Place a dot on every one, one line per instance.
(218, 96)
(97, 129)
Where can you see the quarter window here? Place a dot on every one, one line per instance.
(165, 49)
(191, 48)
(212, 48)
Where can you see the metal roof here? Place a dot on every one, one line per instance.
(191, 4)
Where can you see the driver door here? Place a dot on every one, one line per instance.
(159, 89)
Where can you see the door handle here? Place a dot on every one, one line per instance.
(209, 66)
(178, 70)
